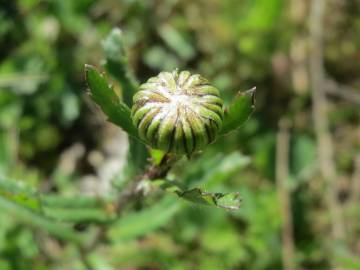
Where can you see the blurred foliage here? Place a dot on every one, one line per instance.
(53, 141)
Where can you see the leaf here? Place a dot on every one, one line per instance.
(239, 111)
(32, 218)
(226, 167)
(57, 201)
(78, 215)
(71, 209)
(229, 201)
(117, 111)
(117, 65)
(20, 193)
(141, 223)
(345, 258)
(157, 156)
(214, 168)
(176, 41)
(303, 156)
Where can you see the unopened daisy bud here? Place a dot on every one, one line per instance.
(177, 112)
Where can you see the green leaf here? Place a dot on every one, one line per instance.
(117, 111)
(141, 223)
(213, 169)
(20, 193)
(229, 201)
(344, 258)
(32, 218)
(176, 41)
(78, 215)
(117, 65)
(157, 156)
(239, 111)
(224, 168)
(71, 209)
(56, 201)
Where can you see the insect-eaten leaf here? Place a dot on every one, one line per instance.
(239, 111)
(103, 95)
(228, 201)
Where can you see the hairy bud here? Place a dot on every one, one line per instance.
(177, 112)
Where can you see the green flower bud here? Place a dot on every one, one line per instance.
(177, 112)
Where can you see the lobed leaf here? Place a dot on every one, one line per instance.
(239, 111)
(229, 201)
(117, 66)
(116, 111)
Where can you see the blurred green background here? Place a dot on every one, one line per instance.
(299, 179)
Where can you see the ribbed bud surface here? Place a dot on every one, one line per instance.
(177, 112)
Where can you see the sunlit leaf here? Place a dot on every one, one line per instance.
(229, 201)
(116, 64)
(117, 111)
(239, 111)
(20, 193)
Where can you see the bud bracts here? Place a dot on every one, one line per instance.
(177, 112)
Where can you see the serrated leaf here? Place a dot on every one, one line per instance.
(229, 201)
(116, 111)
(239, 111)
(116, 64)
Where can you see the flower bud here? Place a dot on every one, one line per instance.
(177, 112)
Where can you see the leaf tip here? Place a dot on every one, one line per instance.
(252, 93)
(88, 67)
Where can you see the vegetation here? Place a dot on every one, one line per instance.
(282, 191)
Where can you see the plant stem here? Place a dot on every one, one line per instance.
(324, 140)
(131, 193)
(282, 176)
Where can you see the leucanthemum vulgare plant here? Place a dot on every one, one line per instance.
(170, 119)
(173, 115)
